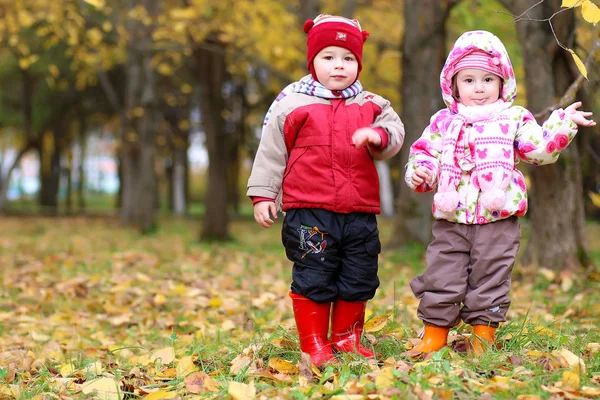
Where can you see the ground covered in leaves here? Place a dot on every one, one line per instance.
(90, 310)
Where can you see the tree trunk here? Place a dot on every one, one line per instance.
(212, 73)
(386, 190)
(5, 179)
(49, 153)
(138, 148)
(81, 168)
(556, 194)
(178, 178)
(423, 56)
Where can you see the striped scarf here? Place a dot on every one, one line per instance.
(307, 85)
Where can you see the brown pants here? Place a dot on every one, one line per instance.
(468, 273)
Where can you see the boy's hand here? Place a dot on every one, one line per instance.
(364, 136)
(422, 175)
(579, 117)
(263, 211)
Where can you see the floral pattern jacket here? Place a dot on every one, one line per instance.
(504, 139)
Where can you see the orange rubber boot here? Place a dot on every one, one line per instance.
(483, 336)
(434, 339)
(312, 322)
(347, 324)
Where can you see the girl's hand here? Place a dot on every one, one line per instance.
(579, 117)
(422, 175)
(364, 136)
(263, 211)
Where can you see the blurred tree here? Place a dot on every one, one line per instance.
(557, 241)
(423, 56)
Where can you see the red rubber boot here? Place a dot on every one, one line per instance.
(347, 325)
(312, 322)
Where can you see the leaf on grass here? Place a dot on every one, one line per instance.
(161, 394)
(104, 389)
(575, 363)
(239, 363)
(200, 382)
(185, 366)
(166, 355)
(376, 324)
(590, 12)
(241, 391)
(384, 379)
(283, 366)
(580, 66)
(570, 380)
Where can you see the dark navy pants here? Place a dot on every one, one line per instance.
(334, 255)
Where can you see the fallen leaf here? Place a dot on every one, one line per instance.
(376, 324)
(241, 391)
(283, 366)
(103, 388)
(200, 382)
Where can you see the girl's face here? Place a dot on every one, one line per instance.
(336, 67)
(477, 87)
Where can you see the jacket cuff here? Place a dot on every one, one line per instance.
(258, 199)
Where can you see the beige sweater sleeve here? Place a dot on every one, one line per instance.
(391, 123)
(271, 158)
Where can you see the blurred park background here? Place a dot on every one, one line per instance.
(144, 109)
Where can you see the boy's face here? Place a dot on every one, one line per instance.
(477, 87)
(336, 67)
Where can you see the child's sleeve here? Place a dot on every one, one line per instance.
(389, 125)
(540, 145)
(271, 157)
(425, 152)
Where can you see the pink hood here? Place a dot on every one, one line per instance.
(476, 41)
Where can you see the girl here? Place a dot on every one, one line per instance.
(469, 153)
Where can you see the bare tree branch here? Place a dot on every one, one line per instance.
(571, 92)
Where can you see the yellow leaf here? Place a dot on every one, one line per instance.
(186, 88)
(161, 394)
(595, 198)
(99, 4)
(579, 64)
(67, 369)
(185, 366)
(103, 388)
(39, 337)
(590, 12)
(570, 379)
(165, 69)
(54, 70)
(26, 19)
(187, 13)
(106, 26)
(24, 63)
(94, 36)
(384, 379)
(241, 391)
(571, 3)
(166, 355)
(283, 366)
(200, 382)
(376, 324)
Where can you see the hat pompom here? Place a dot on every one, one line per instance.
(446, 201)
(493, 199)
(365, 35)
(308, 24)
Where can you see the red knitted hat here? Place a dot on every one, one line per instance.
(332, 30)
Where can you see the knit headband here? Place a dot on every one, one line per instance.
(479, 60)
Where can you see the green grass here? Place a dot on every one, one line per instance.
(79, 291)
